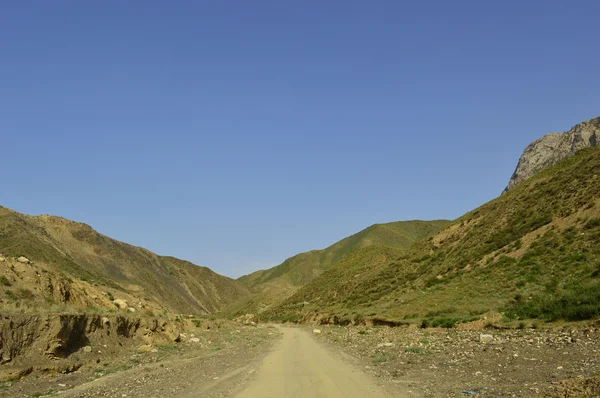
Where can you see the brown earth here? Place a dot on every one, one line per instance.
(138, 365)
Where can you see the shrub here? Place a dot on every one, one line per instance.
(592, 223)
(25, 294)
(10, 295)
(445, 322)
(4, 281)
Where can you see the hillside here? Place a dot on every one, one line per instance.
(273, 285)
(532, 253)
(554, 147)
(73, 265)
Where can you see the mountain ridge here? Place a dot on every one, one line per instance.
(273, 285)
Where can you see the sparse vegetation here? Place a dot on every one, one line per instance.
(380, 357)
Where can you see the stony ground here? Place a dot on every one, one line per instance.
(559, 362)
(177, 369)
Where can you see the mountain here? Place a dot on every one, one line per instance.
(533, 252)
(69, 263)
(275, 284)
(554, 147)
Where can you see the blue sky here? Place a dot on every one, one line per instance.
(236, 134)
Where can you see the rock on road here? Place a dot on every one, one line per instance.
(300, 367)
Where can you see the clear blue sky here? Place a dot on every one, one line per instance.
(235, 134)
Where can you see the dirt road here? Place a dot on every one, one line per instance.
(265, 361)
(300, 367)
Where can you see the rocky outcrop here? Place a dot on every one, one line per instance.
(552, 148)
(38, 337)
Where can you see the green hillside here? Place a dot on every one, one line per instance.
(533, 252)
(273, 285)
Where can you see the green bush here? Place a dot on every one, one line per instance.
(25, 294)
(10, 294)
(592, 223)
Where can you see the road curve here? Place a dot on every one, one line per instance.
(298, 367)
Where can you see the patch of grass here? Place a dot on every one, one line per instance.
(380, 357)
(110, 296)
(167, 347)
(4, 281)
(107, 370)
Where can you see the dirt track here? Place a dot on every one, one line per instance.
(300, 367)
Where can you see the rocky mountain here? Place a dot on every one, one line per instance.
(51, 262)
(275, 284)
(554, 147)
(533, 252)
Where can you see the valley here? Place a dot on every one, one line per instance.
(502, 301)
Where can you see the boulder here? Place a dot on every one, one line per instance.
(87, 348)
(131, 310)
(486, 338)
(317, 331)
(23, 260)
(2, 259)
(122, 304)
(194, 340)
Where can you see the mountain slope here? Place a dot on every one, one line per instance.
(532, 252)
(76, 251)
(552, 148)
(273, 285)
(300, 269)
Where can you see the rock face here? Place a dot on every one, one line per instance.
(552, 148)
